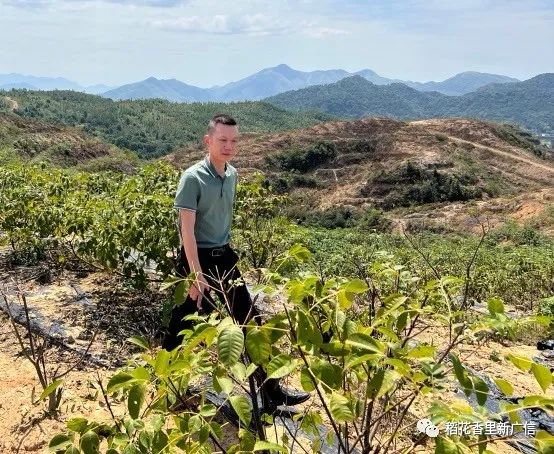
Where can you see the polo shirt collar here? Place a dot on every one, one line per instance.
(211, 168)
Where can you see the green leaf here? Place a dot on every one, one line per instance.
(306, 380)
(504, 386)
(299, 253)
(230, 343)
(162, 362)
(59, 442)
(542, 375)
(90, 443)
(461, 374)
(269, 446)
(160, 442)
(345, 299)
(545, 442)
(340, 410)
(50, 388)
(139, 341)
(495, 306)
(135, 400)
(141, 373)
(306, 332)
(239, 371)
(356, 286)
(330, 374)
(280, 366)
(118, 381)
(180, 293)
(481, 390)
(170, 281)
(223, 384)
(258, 346)
(243, 408)
(520, 362)
(445, 446)
(422, 351)
(74, 450)
(365, 342)
(362, 359)
(381, 383)
(78, 425)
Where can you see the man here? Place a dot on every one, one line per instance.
(205, 198)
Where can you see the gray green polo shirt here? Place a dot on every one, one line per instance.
(211, 196)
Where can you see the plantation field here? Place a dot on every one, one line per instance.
(381, 328)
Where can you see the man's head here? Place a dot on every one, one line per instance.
(221, 138)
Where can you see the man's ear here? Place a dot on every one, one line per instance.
(207, 139)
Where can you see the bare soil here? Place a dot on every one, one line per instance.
(25, 426)
(372, 145)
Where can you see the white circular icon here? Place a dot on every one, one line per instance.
(432, 431)
(422, 424)
(427, 427)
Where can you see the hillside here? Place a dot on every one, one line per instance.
(390, 164)
(28, 140)
(149, 127)
(356, 97)
(152, 88)
(529, 103)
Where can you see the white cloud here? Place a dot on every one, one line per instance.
(249, 24)
(324, 32)
(71, 4)
(255, 24)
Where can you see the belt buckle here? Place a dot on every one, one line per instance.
(217, 252)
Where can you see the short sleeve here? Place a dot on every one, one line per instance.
(188, 192)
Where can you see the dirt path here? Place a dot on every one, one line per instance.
(12, 103)
(506, 154)
(531, 162)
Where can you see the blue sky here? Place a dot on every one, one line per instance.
(212, 42)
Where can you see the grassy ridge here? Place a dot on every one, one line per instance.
(529, 103)
(153, 127)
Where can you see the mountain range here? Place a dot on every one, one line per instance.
(19, 81)
(283, 78)
(267, 82)
(529, 103)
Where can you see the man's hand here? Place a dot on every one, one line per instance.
(196, 291)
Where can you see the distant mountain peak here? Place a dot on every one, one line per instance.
(283, 66)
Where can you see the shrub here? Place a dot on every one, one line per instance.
(374, 219)
(420, 186)
(303, 160)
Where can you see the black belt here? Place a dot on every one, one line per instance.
(214, 251)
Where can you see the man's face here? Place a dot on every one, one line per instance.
(222, 143)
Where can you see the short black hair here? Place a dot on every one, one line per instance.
(220, 119)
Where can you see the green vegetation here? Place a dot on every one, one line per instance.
(528, 104)
(114, 222)
(411, 184)
(356, 302)
(342, 216)
(31, 141)
(522, 139)
(303, 160)
(512, 264)
(154, 127)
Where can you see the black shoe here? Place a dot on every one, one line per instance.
(278, 395)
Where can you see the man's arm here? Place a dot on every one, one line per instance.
(187, 219)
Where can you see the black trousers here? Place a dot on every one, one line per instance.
(220, 270)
